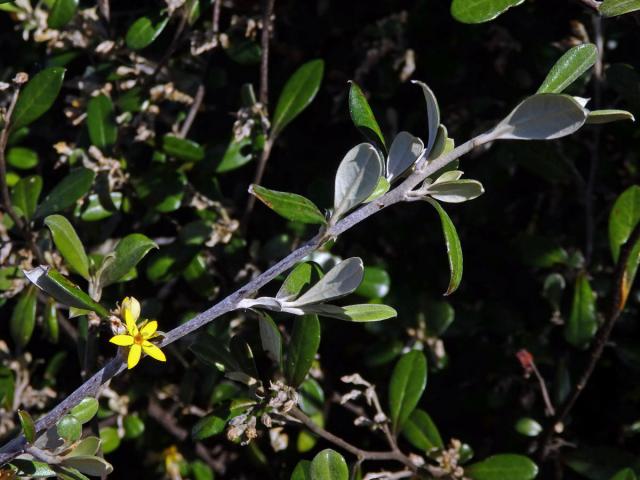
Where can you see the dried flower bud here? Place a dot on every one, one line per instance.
(21, 78)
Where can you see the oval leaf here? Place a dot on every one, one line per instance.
(341, 280)
(329, 465)
(421, 432)
(85, 410)
(69, 428)
(501, 467)
(433, 114)
(129, 251)
(366, 312)
(305, 340)
(624, 216)
(454, 249)
(144, 31)
(67, 241)
(479, 11)
(583, 322)
(297, 94)
(356, 178)
(37, 96)
(569, 67)
(404, 152)
(103, 130)
(25, 195)
(456, 191)
(56, 285)
(303, 275)
(22, 158)
(90, 465)
(597, 117)
(66, 192)
(61, 13)
(288, 205)
(23, 317)
(543, 116)
(271, 338)
(613, 8)
(182, 148)
(302, 471)
(363, 117)
(408, 381)
(28, 427)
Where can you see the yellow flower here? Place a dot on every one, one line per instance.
(137, 339)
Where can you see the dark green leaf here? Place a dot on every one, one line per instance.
(363, 117)
(25, 195)
(182, 148)
(297, 94)
(624, 216)
(110, 439)
(144, 31)
(23, 317)
(37, 96)
(408, 381)
(56, 285)
(454, 249)
(626, 474)
(129, 251)
(103, 130)
(583, 322)
(28, 427)
(133, 426)
(375, 283)
(501, 467)
(302, 276)
(61, 13)
(421, 432)
(32, 469)
(22, 158)
(569, 67)
(329, 465)
(479, 11)
(68, 243)
(302, 471)
(365, 312)
(288, 205)
(305, 340)
(66, 192)
(528, 427)
(598, 117)
(235, 155)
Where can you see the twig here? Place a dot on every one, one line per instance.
(267, 15)
(549, 410)
(23, 227)
(215, 20)
(361, 454)
(4, 138)
(618, 301)
(193, 111)
(105, 10)
(116, 365)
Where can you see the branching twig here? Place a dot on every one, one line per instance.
(618, 300)
(116, 365)
(361, 454)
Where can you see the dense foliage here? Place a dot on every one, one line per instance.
(159, 160)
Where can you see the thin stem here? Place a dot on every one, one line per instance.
(4, 138)
(267, 15)
(193, 111)
(361, 454)
(116, 365)
(618, 301)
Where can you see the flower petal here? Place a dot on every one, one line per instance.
(153, 351)
(149, 329)
(134, 356)
(122, 340)
(131, 311)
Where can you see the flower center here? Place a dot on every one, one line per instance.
(138, 339)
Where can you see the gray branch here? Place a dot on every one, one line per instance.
(116, 365)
